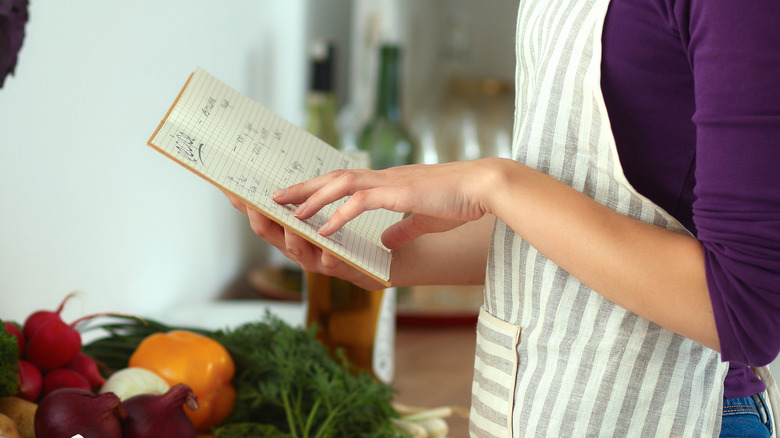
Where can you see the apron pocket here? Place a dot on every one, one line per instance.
(495, 373)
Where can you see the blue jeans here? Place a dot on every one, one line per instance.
(746, 417)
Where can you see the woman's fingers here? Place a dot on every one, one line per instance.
(334, 267)
(314, 194)
(337, 182)
(313, 259)
(267, 229)
(307, 255)
(331, 262)
(290, 244)
(300, 249)
(235, 202)
(359, 202)
(444, 195)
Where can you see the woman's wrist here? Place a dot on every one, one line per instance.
(455, 257)
(500, 185)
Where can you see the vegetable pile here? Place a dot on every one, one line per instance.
(49, 388)
(286, 383)
(143, 378)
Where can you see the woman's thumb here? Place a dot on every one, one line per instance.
(413, 226)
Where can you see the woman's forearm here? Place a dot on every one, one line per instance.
(653, 272)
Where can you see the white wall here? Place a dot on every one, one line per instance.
(85, 204)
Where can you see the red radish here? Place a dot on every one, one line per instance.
(53, 345)
(13, 329)
(36, 320)
(40, 318)
(87, 367)
(30, 381)
(64, 378)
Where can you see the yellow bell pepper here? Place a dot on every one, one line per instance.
(181, 356)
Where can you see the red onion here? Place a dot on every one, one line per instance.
(70, 411)
(152, 416)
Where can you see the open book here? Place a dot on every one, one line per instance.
(244, 148)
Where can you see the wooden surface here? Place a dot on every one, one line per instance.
(434, 367)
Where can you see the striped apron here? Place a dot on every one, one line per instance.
(553, 357)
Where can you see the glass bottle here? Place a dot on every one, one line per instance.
(385, 136)
(321, 105)
(360, 322)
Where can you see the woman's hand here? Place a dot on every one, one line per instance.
(440, 197)
(446, 199)
(308, 256)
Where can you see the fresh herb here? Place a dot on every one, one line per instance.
(9, 357)
(285, 377)
(249, 430)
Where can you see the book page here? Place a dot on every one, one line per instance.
(244, 148)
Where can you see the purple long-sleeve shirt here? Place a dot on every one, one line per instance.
(693, 93)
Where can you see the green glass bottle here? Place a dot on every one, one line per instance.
(385, 136)
(358, 321)
(321, 102)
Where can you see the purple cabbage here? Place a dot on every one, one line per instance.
(13, 17)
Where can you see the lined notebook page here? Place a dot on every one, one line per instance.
(239, 145)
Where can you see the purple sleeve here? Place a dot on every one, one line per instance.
(734, 49)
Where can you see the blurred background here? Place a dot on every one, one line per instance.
(87, 206)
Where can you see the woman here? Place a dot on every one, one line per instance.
(631, 250)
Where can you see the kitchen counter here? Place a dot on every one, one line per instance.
(434, 367)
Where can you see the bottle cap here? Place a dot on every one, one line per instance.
(390, 21)
(323, 54)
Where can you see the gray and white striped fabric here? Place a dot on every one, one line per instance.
(553, 357)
